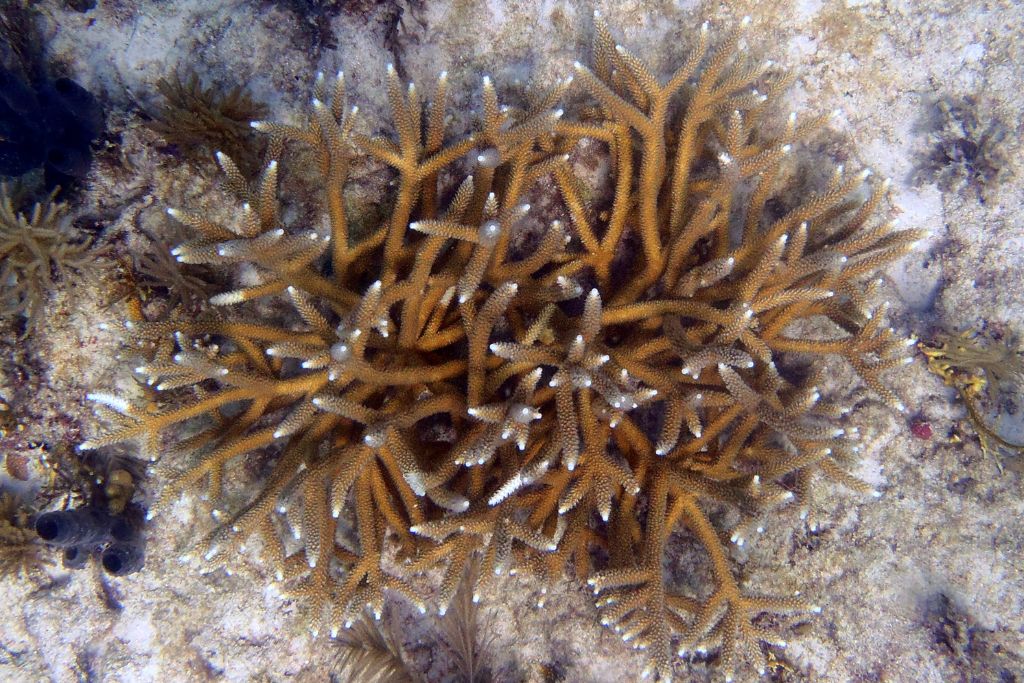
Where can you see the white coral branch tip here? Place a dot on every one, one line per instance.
(109, 400)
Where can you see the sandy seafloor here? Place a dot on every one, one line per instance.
(924, 584)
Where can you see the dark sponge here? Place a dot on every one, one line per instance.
(48, 124)
(79, 527)
(120, 559)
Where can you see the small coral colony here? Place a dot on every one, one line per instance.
(451, 382)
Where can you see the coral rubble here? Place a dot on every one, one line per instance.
(567, 404)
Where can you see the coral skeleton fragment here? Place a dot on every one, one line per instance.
(566, 407)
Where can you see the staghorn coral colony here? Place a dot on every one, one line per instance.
(444, 388)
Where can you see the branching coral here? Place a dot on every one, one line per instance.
(605, 389)
(32, 248)
(155, 270)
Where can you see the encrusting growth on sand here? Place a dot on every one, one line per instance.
(604, 389)
(980, 368)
